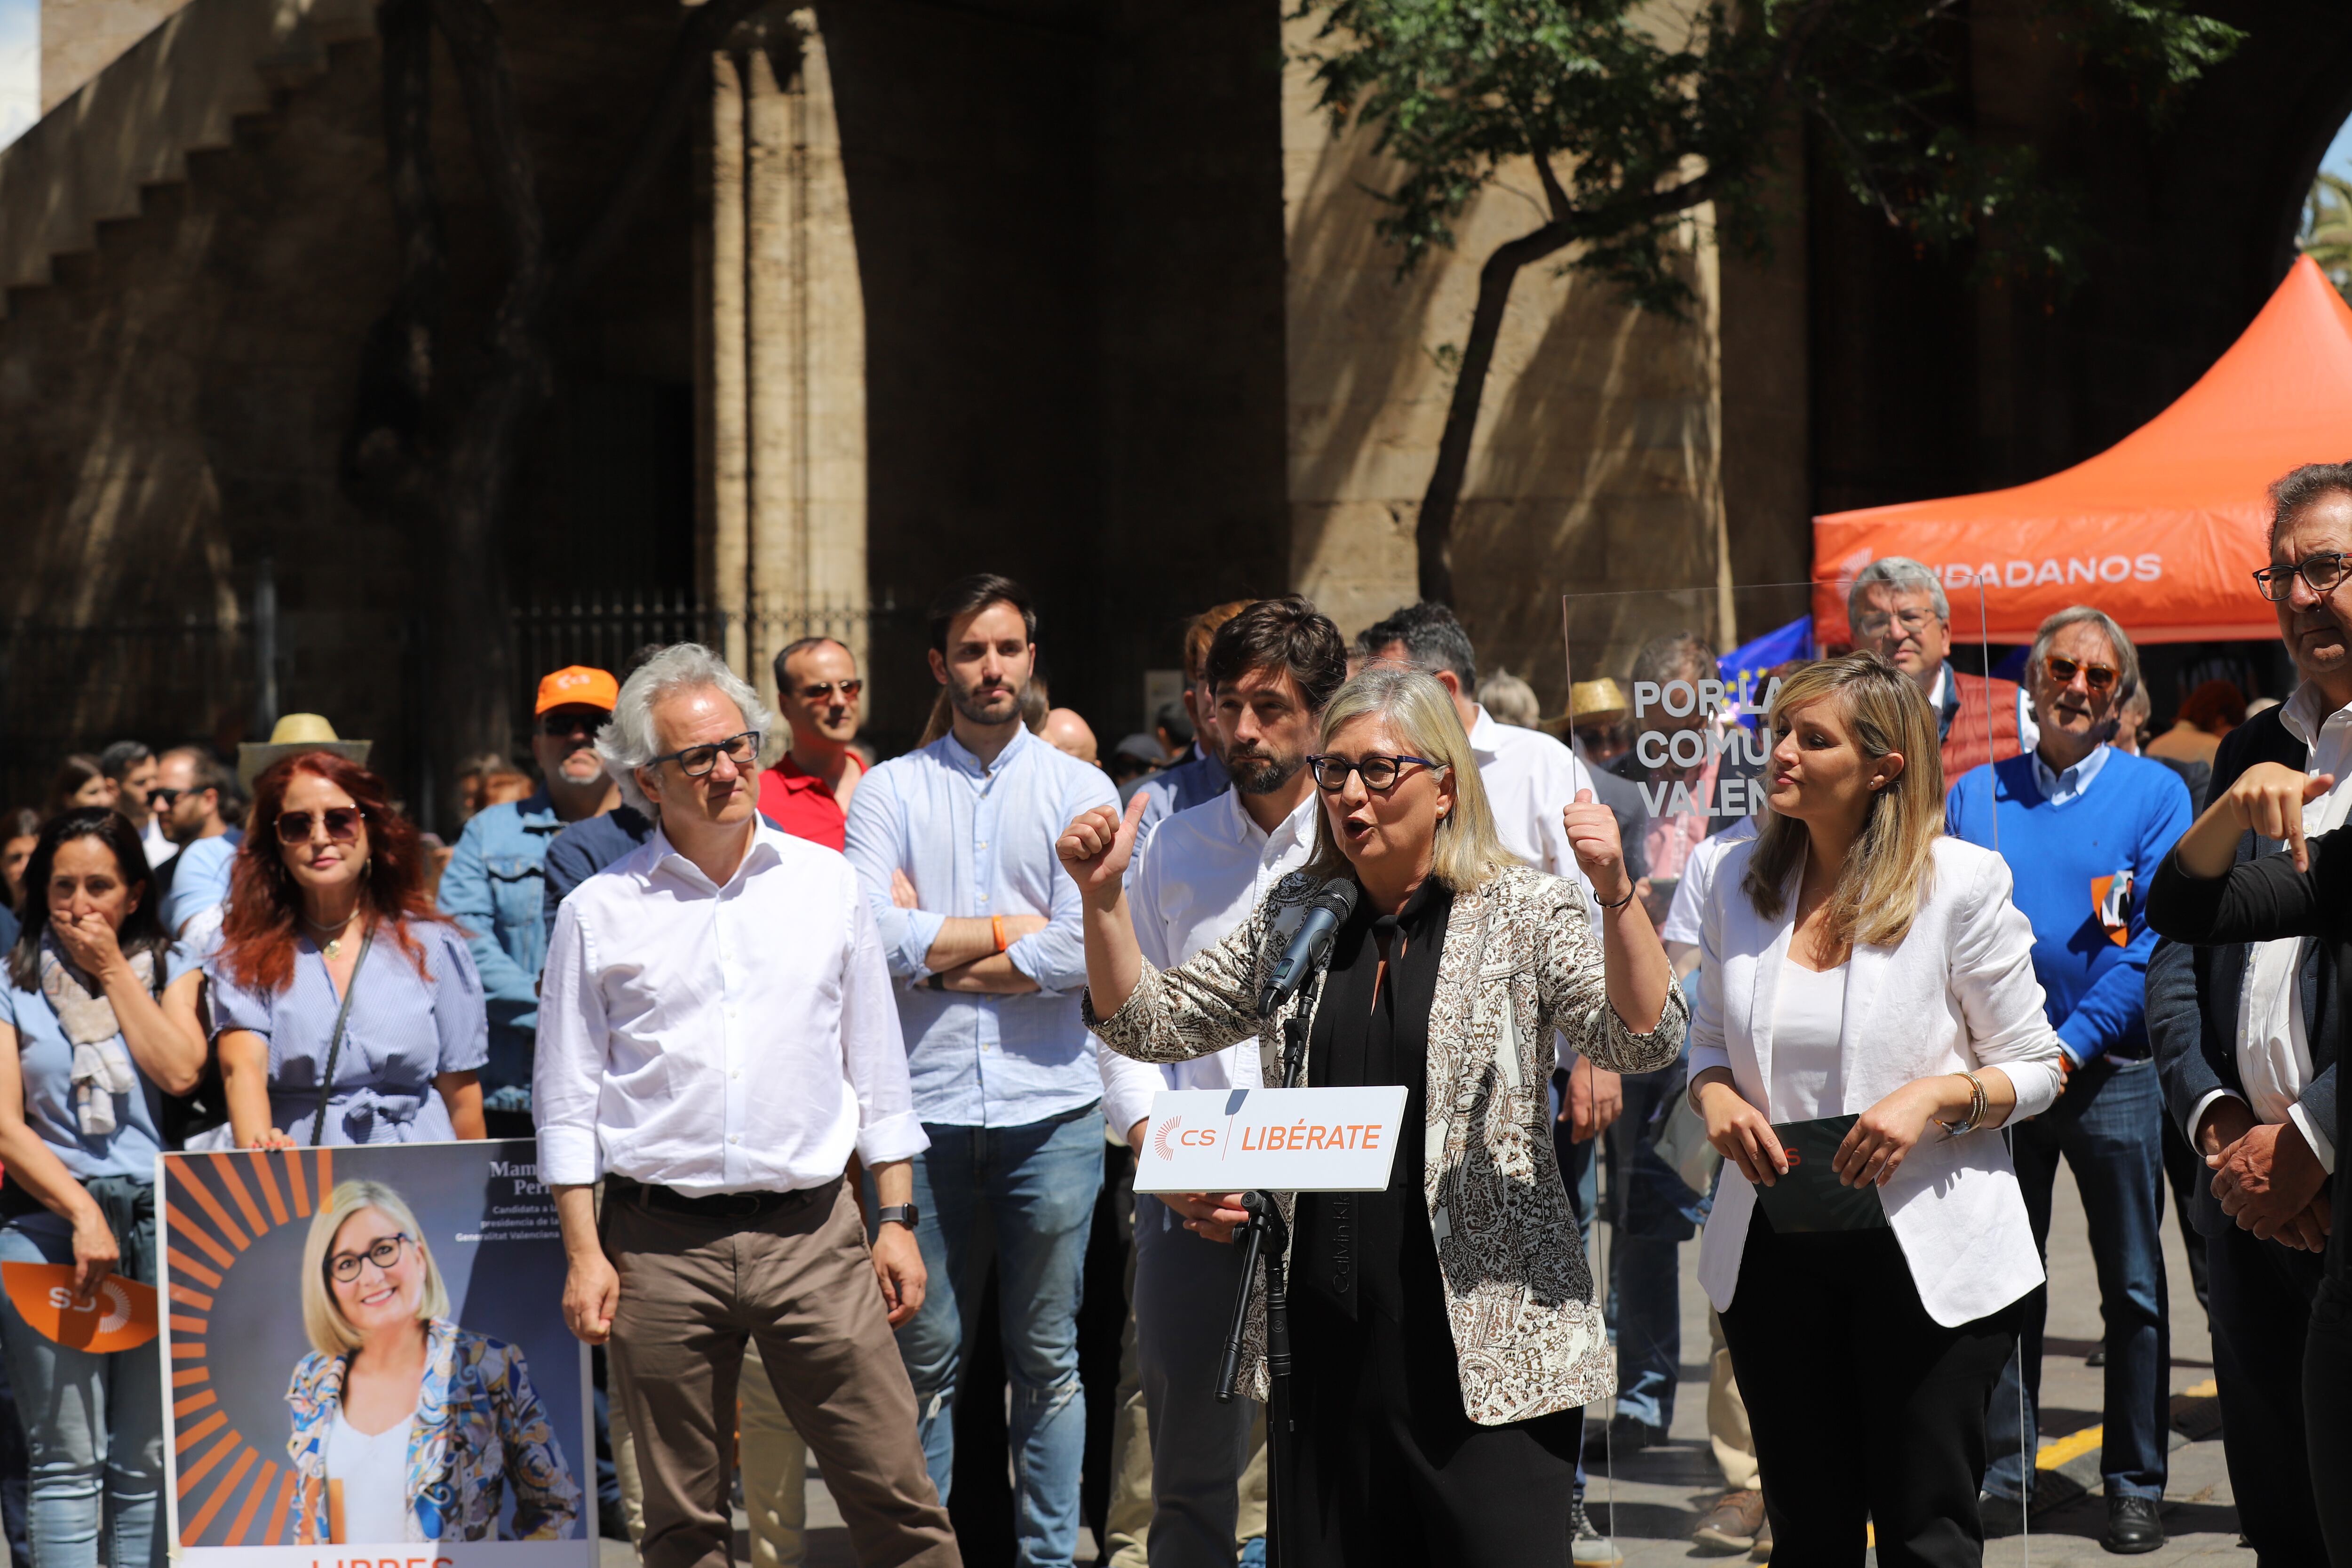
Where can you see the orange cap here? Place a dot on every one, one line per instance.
(577, 686)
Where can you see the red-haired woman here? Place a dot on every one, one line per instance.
(349, 1011)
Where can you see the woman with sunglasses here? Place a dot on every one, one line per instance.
(99, 1022)
(349, 1009)
(1445, 1333)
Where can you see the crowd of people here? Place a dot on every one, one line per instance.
(830, 1059)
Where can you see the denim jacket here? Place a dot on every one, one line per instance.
(494, 888)
(479, 1432)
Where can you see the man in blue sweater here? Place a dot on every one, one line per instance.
(2083, 827)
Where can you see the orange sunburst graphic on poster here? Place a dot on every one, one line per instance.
(216, 1208)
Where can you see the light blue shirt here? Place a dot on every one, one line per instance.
(200, 881)
(44, 1062)
(979, 841)
(2059, 788)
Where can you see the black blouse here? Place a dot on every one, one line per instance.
(1373, 1250)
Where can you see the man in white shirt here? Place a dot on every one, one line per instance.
(1270, 671)
(2245, 1039)
(717, 1037)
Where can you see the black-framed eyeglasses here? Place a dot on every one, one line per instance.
(384, 1252)
(1378, 773)
(2097, 676)
(822, 690)
(742, 749)
(563, 726)
(341, 824)
(2321, 573)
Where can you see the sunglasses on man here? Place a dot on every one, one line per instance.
(2097, 676)
(823, 690)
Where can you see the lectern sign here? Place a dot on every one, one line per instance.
(1284, 1140)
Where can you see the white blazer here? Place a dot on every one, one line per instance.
(1958, 993)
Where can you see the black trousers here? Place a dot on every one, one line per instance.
(2262, 1318)
(1864, 1407)
(2327, 1416)
(1388, 1469)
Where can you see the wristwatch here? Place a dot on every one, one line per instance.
(904, 1214)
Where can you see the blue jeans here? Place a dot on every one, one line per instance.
(1035, 1188)
(94, 1429)
(2109, 1125)
(1653, 1214)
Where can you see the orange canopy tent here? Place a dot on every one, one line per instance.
(2162, 529)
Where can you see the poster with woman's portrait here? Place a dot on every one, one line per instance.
(364, 1349)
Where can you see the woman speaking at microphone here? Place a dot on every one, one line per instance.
(1856, 964)
(1445, 1332)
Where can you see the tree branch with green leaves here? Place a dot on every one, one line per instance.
(1636, 115)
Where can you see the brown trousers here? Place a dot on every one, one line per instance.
(800, 1283)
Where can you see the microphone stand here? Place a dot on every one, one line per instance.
(1265, 1237)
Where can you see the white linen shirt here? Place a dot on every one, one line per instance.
(1190, 886)
(2274, 1044)
(1530, 779)
(720, 1039)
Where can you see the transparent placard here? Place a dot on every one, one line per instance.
(1667, 689)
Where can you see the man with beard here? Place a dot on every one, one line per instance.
(2246, 1039)
(496, 886)
(1269, 671)
(990, 959)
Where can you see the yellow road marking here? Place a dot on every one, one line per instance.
(2073, 1446)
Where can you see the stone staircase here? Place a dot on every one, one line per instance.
(178, 91)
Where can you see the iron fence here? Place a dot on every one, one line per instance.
(66, 687)
(606, 631)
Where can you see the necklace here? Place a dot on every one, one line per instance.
(334, 933)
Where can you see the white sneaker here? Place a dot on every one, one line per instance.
(1587, 1547)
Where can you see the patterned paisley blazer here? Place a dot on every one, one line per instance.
(1520, 962)
(479, 1430)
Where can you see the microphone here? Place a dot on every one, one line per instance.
(1309, 945)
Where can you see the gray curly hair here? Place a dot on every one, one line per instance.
(629, 742)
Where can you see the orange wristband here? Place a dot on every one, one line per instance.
(996, 923)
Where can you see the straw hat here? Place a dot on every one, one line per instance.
(1596, 701)
(292, 734)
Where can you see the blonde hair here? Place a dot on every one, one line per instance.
(1891, 867)
(329, 1332)
(1468, 852)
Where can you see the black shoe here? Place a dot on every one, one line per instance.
(1625, 1434)
(1999, 1516)
(2132, 1525)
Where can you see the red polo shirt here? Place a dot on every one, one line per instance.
(802, 805)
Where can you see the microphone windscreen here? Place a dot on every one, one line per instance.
(1338, 896)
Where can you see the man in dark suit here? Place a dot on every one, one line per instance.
(2245, 1039)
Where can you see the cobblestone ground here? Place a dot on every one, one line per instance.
(1657, 1495)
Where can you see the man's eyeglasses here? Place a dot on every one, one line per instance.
(341, 822)
(2321, 573)
(1874, 622)
(383, 1253)
(2097, 677)
(563, 726)
(1378, 773)
(822, 690)
(742, 749)
(160, 798)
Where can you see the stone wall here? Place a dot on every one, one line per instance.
(80, 38)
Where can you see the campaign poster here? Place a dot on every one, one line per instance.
(366, 1360)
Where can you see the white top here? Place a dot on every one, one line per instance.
(1530, 779)
(2274, 1042)
(373, 1471)
(159, 848)
(1808, 1069)
(1958, 993)
(713, 1039)
(1190, 886)
(1698, 884)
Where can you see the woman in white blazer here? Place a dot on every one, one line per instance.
(1857, 963)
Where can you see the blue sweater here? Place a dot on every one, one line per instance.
(2127, 820)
